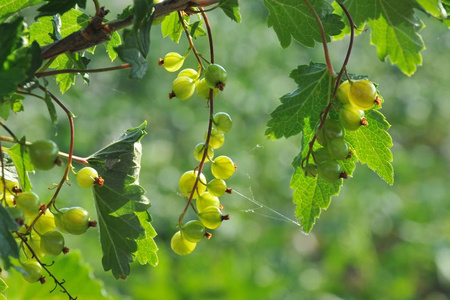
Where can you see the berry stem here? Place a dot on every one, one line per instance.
(191, 43)
(100, 70)
(324, 38)
(69, 158)
(210, 125)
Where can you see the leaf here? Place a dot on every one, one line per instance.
(54, 7)
(51, 108)
(146, 250)
(128, 52)
(196, 29)
(8, 245)
(79, 281)
(142, 23)
(231, 9)
(10, 38)
(394, 30)
(9, 7)
(372, 143)
(118, 200)
(292, 18)
(22, 164)
(303, 105)
(111, 44)
(171, 26)
(8, 104)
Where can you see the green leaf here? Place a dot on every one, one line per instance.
(10, 38)
(8, 245)
(9, 7)
(54, 7)
(231, 9)
(394, 30)
(12, 103)
(434, 8)
(22, 164)
(372, 143)
(171, 26)
(146, 250)
(118, 200)
(293, 18)
(3, 285)
(142, 23)
(302, 106)
(128, 52)
(79, 281)
(196, 29)
(51, 109)
(111, 44)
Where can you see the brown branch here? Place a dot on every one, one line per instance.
(98, 32)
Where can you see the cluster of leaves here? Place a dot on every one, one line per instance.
(394, 27)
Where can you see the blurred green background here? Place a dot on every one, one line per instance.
(374, 242)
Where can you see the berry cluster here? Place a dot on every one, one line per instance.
(355, 97)
(40, 227)
(193, 184)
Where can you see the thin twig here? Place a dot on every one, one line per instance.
(56, 72)
(191, 43)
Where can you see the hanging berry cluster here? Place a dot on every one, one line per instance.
(193, 185)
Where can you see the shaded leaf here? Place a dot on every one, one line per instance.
(54, 7)
(128, 52)
(231, 9)
(9, 7)
(8, 245)
(20, 164)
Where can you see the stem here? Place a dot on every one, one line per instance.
(97, 7)
(56, 72)
(210, 124)
(324, 38)
(191, 43)
(44, 266)
(14, 137)
(69, 158)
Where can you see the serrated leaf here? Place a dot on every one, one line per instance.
(10, 38)
(171, 26)
(118, 200)
(54, 7)
(394, 30)
(21, 164)
(8, 245)
(9, 7)
(293, 19)
(372, 143)
(302, 105)
(79, 281)
(146, 250)
(142, 23)
(231, 9)
(128, 52)
(8, 104)
(196, 29)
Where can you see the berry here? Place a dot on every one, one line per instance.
(45, 223)
(203, 89)
(29, 203)
(330, 171)
(183, 88)
(342, 92)
(193, 231)
(191, 73)
(351, 118)
(332, 129)
(187, 181)
(180, 245)
(216, 139)
(311, 170)
(86, 177)
(338, 149)
(34, 242)
(222, 122)
(216, 76)
(199, 151)
(205, 200)
(52, 243)
(223, 167)
(33, 271)
(217, 187)
(73, 220)
(321, 155)
(173, 61)
(362, 94)
(43, 154)
(211, 217)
